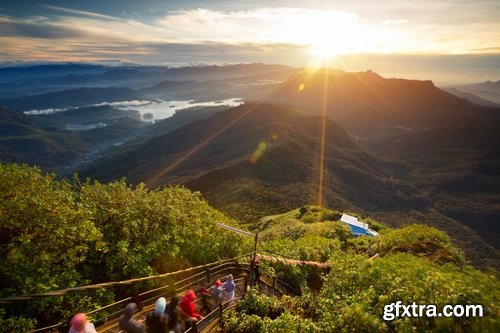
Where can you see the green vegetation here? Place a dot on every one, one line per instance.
(351, 296)
(60, 233)
(57, 234)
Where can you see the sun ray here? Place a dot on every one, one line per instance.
(323, 137)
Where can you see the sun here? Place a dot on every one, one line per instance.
(326, 34)
(324, 51)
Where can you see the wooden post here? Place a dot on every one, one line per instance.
(208, 275)
(255, 246)
(252, 266)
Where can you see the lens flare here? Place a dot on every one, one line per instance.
(258, 152)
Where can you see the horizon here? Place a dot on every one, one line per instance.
(449, 42)
(118, 64)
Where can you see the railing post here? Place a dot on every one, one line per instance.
(220, 310)
(208, 275)
(246, 285)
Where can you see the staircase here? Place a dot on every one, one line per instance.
(105, 318)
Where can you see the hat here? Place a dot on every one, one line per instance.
(190, 295)
(217, 283)
(161, 305)
(78, 322)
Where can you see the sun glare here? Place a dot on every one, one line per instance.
(326, 33)
(325, 51)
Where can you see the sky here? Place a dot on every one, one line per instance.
(444, 40)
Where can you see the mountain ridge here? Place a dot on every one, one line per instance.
(284, 175)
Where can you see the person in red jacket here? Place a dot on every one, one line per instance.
(189, 309)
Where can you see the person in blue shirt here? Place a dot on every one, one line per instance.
(229, 286)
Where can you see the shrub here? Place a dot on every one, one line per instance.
(56, 234)
(309, 218)
(423, 241)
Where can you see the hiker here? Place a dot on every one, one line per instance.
(156, 320)
(80, 324)
(255, 272)
(204, 295)
(174, 315)
(191, 316)
(229, 287)
(217, 291)
(126, 323)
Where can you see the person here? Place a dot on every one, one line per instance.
(204, 295)
(229, 287)
(189, 309)
(156, 320)
(255, 272)
(174, 315)
(217, 291)
(127, 324)
(80, 324)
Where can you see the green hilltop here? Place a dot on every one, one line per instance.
(415, 263)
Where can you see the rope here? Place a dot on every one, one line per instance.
(279, 254)
(276, 260)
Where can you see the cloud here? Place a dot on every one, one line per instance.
(82, 13)
(494, 49)
(261, 25)
(394, 22)
(39, 28)
(278, 34)
(228, 52)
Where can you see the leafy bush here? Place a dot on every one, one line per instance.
(284, 228)
(356, 291)
(15, 323)
(362, 244)
(261, 313)
(243, 323)
(56, 234)
(421, 240)
(260, 305)
(359, 288)
(331, 230)
(309, 218)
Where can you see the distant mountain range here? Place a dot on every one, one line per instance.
(369, 106)
(212, 83)
(43, 79)
(471, 97)
(489, 91)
